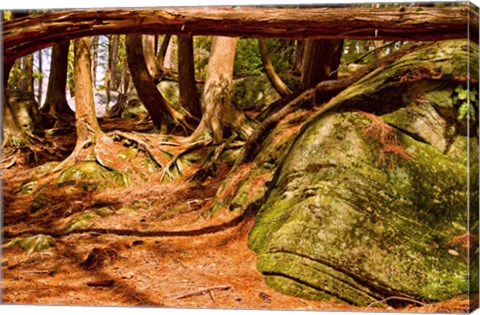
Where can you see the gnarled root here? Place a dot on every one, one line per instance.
(26, 149)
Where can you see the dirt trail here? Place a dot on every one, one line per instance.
(140, 270)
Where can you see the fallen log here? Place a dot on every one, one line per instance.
(25, 35)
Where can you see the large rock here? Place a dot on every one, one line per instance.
(362, 208)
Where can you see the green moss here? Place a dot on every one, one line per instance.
(44, 168)
(128, 153)
(91, 176)
(336, 222)
(334, 204)
(104, 211)
(440, 98)
(32, 244)
(80, 222)
(40, 201)
(27, 189)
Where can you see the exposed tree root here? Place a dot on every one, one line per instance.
(185, 148)
(233, 221)
(202, 291)
(326, 89)
(26, 150)
(385, 135)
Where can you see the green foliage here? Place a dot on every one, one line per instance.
(249, 63)
(70, 77)
(34, 243)
(281, 53)
(467, 102)
(247, 58)
(202, 46)
(15, 141)
(7, 15)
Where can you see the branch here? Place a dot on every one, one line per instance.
(275, 80)
(326, 89)
(201, 291)
(395, 298)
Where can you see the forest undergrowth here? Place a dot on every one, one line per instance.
(148, 244)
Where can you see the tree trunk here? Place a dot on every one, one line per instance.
(113, 56)
(163, 49)
(19, 146)
(10, 124)
(150, 57)
(94, 55)
(55, 100)
(111, 70)
(167, 56)
(40, 77)
(189, 98)
(23, 36)
(297, 66)
(86, 119)
(219, 114)
(321, 58)
(25, 83)
(147, 91)
(276, 81)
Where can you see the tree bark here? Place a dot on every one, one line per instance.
(321, 58)
(55, 100)
(113, 56)
(150, 57)
(86, 119)
(297, 66)
(40, 77)
(189, 97)
(147, 91)
(10, 124)
(26, 35)
(276, 81)
(110, 71)
(163, 49)
(168, 56)
(94, 56)
(219, 113)
(25, 83)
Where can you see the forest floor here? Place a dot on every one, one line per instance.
(115, 262)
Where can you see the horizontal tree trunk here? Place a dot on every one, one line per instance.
(26, 35)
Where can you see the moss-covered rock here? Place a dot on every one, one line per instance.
(362, 208)
(254, 92)
(90, 176)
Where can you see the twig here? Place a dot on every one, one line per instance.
(181, 264)
(154, 257)
(201, 291)
(145, 258)
(395, 298)
(212, 296)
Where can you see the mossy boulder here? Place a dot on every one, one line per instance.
(254, 92)
(362, 206)
(134, 109)
(90, 176)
